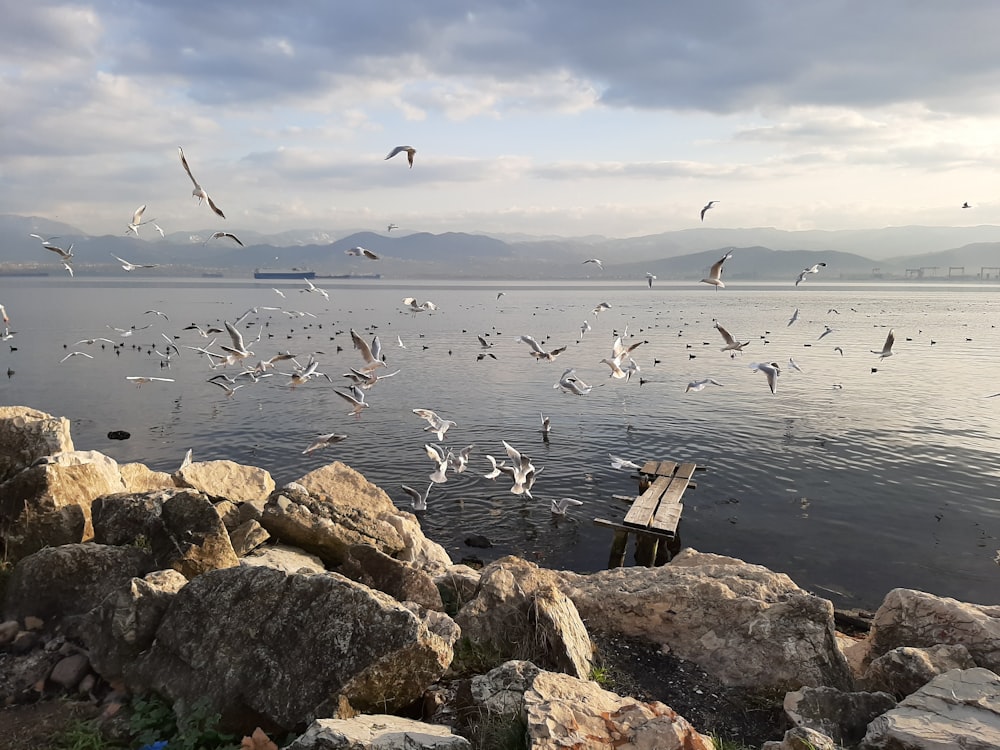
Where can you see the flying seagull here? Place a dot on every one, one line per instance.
(715, 273)
(322, 441)
(597, 262)
(391, 227)
(708, 205)
(795, 316)
(731, 343)
(699, 385)
(132, 266)
(361, 251)
(806, 271)
(419, 501)
(966, 205)
(771, 370)
(887, 347)
(220, 235)
(199, 192)
(559, 507)
(410, 151)
(137, 221)
(650, 278)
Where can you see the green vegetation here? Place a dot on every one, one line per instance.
(153, 720)
(601, 675)
(84, 735)
(497, 732)
(473, 657)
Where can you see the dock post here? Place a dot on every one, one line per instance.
(618, 545)
(645, 549)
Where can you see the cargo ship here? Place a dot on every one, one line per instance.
(352, 276)
(283, 273)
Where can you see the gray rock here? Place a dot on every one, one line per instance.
(835, 713)
(61, 582)
(916, 618)
(402, 582)
(905, 670)
(8, 631)
(269, 648)
(27, 435)
(69, 671)
(125, 623)
(284, 558)
(957, 709)
(521, 613)
(247, 537)
(741, 623)
(378, 732)
(801, 738)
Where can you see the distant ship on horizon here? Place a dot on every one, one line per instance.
(284, 273)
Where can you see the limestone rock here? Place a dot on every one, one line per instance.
(905, 670)
(417, 548)
(69, 670)
(180, 528)
(8, 631)
(957, 709)
(48, 504)
(520, 611)
(284, 558)
(802, 738)
(227, 479)
(27, 435)
(402, 582)
(457, 586)
(343, 487)
(70, 580)
(835, 713)
(915, 618)
(124, 624)
(140, 478)
(247, 537)
(566, 712)
(328, 529)
(378, 732)
(237, 637)
(742, 623)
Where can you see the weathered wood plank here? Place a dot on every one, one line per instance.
(649, 467)
(616, 526)
(641, 512)
(667, 517)
(668, 513)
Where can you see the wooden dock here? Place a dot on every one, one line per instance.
(654, 515)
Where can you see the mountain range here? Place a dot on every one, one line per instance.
(758, 253)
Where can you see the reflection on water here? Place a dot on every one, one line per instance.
(888, 480)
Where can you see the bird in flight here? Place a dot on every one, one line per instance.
(715, 273)
(710, 204)
(887, 347)
(595, 261)
(132, 266)
(731, 343)
(966, 205)
(199, 192)
(698, 385)
(650, 278)
(220, 235)
(771, 370)
(391, 227)
(361, 251)
(806, 271)
(137, 221)
(410, 151)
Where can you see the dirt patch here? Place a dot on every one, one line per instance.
(637, 667)
(37, 726)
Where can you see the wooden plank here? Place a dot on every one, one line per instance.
(649, 467)
(666, 468)
(668, 513)
(641, 512)
(615, 526)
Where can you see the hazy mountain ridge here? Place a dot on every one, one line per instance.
(759, 253)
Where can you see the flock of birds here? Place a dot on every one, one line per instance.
(236, 351)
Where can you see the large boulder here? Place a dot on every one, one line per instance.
(124, 624)
(378, 732)
(228, 479)
(285, 558)
(28, 434)
(140, 478)
(401, 581)
(342, 509)
(417, 549)
(906, 669)
(67, 581)
(520, 612)
(836, 713)
(916, 618)
(957, 709)
(557, 711)
(801, 738)
(48, 504)
(278, 650)
(742, 623)
(180, 527)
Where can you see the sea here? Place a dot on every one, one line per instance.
(859, 475)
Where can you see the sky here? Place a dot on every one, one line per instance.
(562, 117)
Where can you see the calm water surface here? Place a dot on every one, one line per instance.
(890, 479)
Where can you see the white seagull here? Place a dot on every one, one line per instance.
(436, 454)
(771, 370)
(199, 192)
(710, 204)
(794, 365)
(228, 235)
(75, 354)
(795, 316)
(559, 507)
(715, 273)
(698, 385)
(538, 352)
(356, 398)
(595, 261)
(806, 271)
(415, 307)
(137, 221)
(410, 151)
(887, 347)
(419, 501)
(731, 343)
(650, 278)
(128, 266)
(139, 380)
(321, 441)
(601, 307)
(372, 355)
(617, 462)
(361, 252)
(435, 423)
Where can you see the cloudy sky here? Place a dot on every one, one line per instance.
(564, 117)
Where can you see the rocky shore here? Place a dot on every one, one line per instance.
(318, 615)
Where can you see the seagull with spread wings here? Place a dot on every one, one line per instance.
(710, 204)
(199, 192)
(410, 152)
(715, 273)
(129, 266)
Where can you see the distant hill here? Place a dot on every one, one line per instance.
(687, 254)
